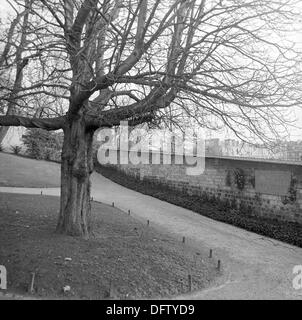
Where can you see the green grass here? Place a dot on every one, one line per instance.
(16, 171)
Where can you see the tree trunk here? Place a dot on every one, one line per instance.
(76, 168)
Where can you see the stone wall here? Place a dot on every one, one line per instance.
(263, 187)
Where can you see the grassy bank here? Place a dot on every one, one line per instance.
(123, 259)
(19, 171)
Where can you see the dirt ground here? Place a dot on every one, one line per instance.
(124, 259)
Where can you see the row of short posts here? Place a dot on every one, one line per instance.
(183, 241)
(110, 286)
(210, 257)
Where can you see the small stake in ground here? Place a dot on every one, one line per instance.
(113, 294)
(129, 212)
(183, 239)
(110, 290)
(112, 204)
(32, 282)
(148, 222)
(41, 192)
(190, 282)
(219, 265)
(211, 253)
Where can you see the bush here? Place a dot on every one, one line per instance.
(41, 144)
(1, 147)
(239, 177)
(16, 149)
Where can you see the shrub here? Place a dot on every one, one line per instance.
(48, 154)
(253, 181)
(16, 149)
(42, 144)
(1, 147)
(239, 177)
(293, 190)
(291, 197)
(228, 179)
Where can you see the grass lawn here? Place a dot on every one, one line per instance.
(16, 171)
(137, 260)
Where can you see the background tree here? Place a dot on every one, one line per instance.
(13, 87)
(26, 87)
(224, 62)
(42, 144)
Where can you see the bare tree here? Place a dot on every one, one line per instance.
(226, 60)
(18, 61)
(24, 73)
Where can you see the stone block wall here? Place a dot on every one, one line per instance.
(266, 188)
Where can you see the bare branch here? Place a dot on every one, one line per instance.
(47, 124)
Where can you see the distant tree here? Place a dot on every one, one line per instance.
(11, 84)
(42, 144)
(215, 61)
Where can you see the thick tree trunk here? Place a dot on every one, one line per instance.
(76, 168)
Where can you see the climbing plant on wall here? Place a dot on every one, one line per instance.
(236, 177)
(239, 178)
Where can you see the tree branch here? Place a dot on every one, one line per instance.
(47, 124)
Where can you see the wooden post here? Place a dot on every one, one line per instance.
(219, 265)
(190, 282)
(211, 253)
(112, 204)
(32, 282)
(183, 239)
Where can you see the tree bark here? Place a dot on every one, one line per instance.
(76, 168)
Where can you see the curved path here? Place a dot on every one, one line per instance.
(254, 267)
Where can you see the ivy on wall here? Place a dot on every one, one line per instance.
(252, 181)
(236, 177)
(292, 192)
(228, 179)
(240, 179)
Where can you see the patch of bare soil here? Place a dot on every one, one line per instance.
(123, 259)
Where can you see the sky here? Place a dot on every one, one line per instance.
(295, 131)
